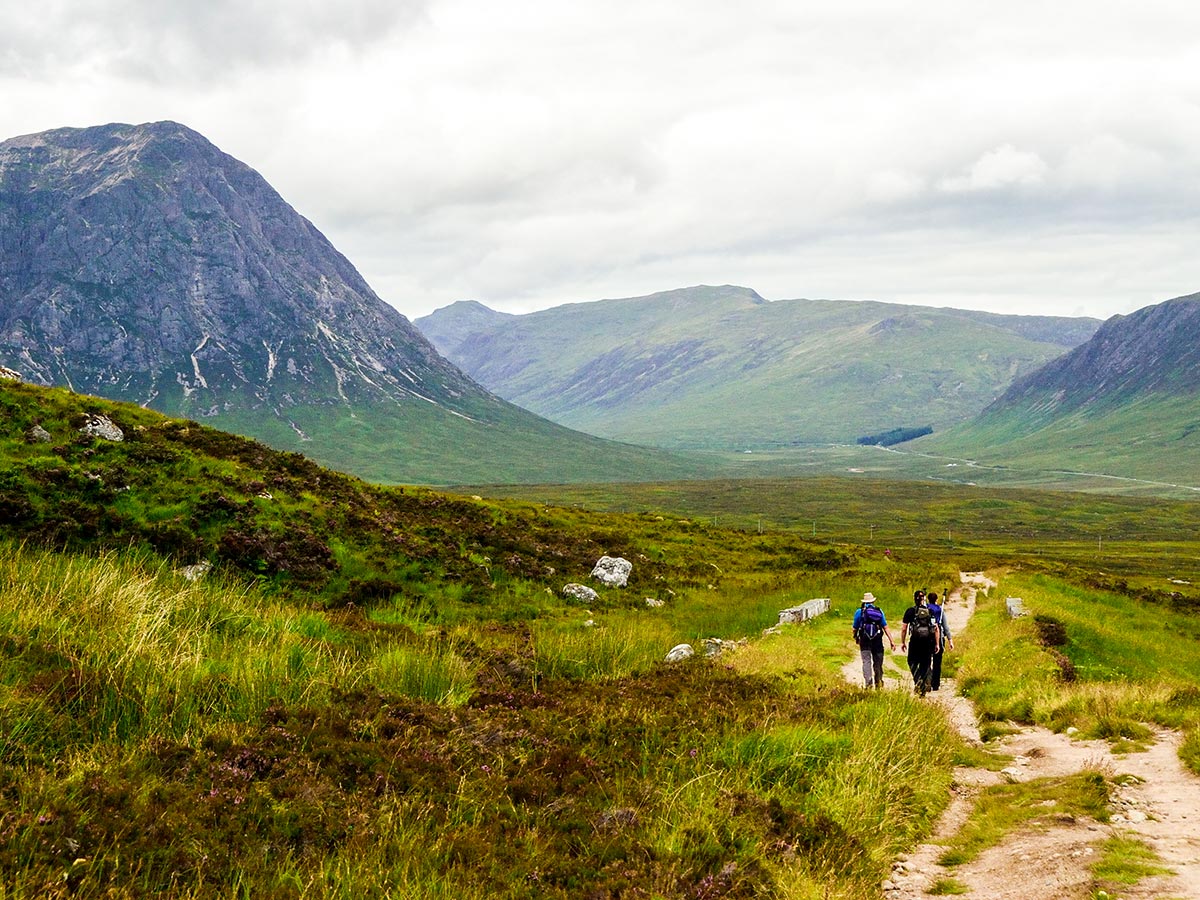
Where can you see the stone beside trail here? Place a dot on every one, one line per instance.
(1161, 807)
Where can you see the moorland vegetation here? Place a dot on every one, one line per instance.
(381, 691)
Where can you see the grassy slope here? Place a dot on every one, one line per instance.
(1155, 438)
(716, 368)
(423, 444)
(376, 693)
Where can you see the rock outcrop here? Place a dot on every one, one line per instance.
(102, 427)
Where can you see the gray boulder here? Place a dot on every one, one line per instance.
(717, 646)
(37, 435)
(580, 592)
(102, 427)
(680, 652)
(612, 571)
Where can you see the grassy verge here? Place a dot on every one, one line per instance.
(1087, 659)
(1125, 860)
(1003, 809)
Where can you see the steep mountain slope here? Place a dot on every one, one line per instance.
(1127, 402)
(720, 367)
(143, 264)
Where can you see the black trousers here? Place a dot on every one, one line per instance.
(920, 661)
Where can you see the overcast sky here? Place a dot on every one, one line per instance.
(1035, 157)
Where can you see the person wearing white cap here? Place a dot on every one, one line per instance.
(870, 628)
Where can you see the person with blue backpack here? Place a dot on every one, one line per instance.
(939, 617)
(870, 628)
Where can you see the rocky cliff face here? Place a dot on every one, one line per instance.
(1150, 352)
(141, 263)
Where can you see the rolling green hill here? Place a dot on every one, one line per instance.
(722, 368)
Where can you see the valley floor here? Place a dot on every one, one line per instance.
(1157, 803)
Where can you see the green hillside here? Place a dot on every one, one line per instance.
(426, 444)
(381, 692)
(1155, 438)
(1126, 403)
(722, 368)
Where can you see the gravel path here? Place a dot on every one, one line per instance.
(1161, 806)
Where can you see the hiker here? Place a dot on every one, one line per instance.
(947, 640)
(920, 638)
(870, 626)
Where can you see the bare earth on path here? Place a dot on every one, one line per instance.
(1159, 806)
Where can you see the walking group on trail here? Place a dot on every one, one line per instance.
(924, 637)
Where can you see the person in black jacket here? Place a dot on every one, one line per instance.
(920, 638)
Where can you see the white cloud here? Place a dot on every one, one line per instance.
(998, 169)
(186, 42)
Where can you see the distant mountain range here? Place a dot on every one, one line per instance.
(140, 263)
(1126, 402)
(723, 368)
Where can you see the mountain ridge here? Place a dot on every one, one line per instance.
(1151, 350)
(1123, 403)
(721, 367)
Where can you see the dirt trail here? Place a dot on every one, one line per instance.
(1162, 807)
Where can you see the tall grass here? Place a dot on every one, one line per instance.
(136, 698)
(612, 649)
(437, 674)
(1130, 663)
(137, 650)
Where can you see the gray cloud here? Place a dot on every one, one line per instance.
(185, 42)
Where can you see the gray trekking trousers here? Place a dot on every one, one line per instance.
(872, 662)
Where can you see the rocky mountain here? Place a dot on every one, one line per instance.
(723, 368)
(141, 263)
(1151, 352)
(1125, 403)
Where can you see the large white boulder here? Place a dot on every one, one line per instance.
(612, 571)
(102, 427)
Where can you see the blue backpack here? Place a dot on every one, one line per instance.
(870, 626)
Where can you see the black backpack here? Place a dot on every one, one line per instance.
(923, 623)
(870, 626)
